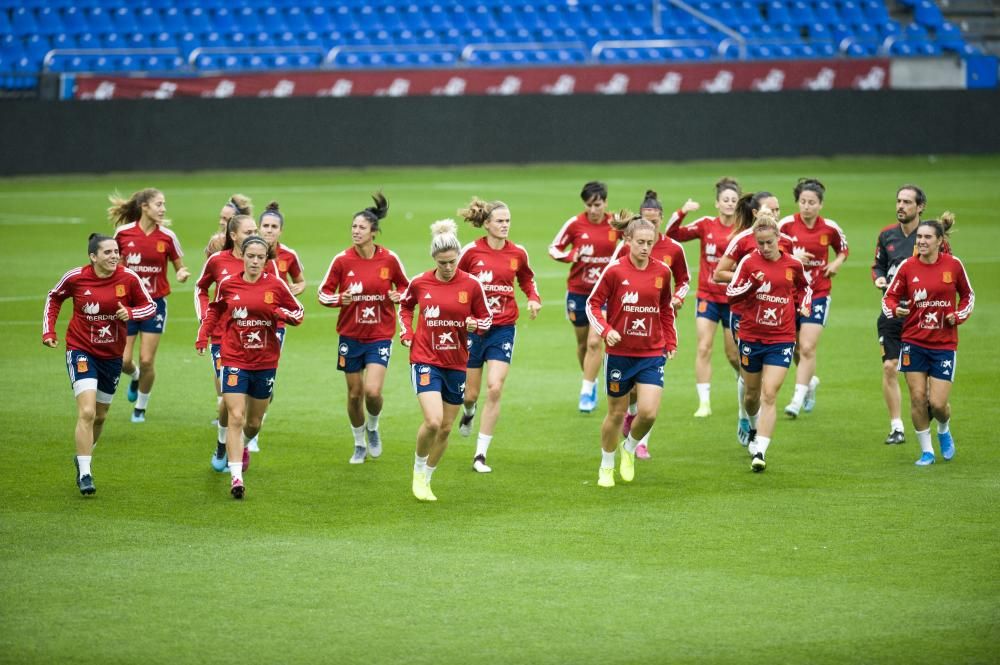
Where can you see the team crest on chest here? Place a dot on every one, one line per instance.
(612, 235)
(824, 240)
(463, 297)
(283, 266)
(268, 297)
(668, 260)
(789, 274)
(120, 290)
(946, 277)
(161, 246)
(658, 282)
(514, 264)
(383, 273)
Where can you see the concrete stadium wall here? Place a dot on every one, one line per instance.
(193, 134)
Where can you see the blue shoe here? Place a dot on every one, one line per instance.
(588, 403)
(810, 401)
(743, 431)
(138, 415)
(84, 483)
(947, 445)
(374, 443)
(133, 390)
(925, 460)
(220, 464)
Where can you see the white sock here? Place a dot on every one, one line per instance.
(84, 462)
(741, 393)
(800, 393)
(222, 434)
(236, 470)
(359, 435)
(218, 401)
(924, 439)
(469, 410)
(135, 374)
(630, 444)
(429, 470)
(896, 425)
(753, 420)
(607, 459)
(587, 387)
(644, 441)
(419, 463)
(142, 400)
(483, 443)
(943, 427)
(813, 383)
(371, 421)
(633, 409)
(704, 390)
(762, 443)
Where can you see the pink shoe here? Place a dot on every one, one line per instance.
(246, 458)
(627, 425)
(641, 451)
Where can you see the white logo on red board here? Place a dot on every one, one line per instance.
(618, 85)
(824, 80)
(564, 85)
(455, 87)
(773, 82)
(670, 84)
(873, 80)
(723, 82)
(511, 85)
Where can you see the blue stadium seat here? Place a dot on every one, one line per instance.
(927, 13)
(826, 13)
(875, 11)
(149, 21)
(23, 22)
(123, 20)
(74, 20)
(198, 21)
(320, 20)
(87, 40)
(949, 37)
(778, 13)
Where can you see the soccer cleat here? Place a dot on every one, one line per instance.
(947, 445)
(465, 425)
(642, 452)
(810, 401)
(237, 489)
(133, 390)
(743, 431)
(751, 438)
(895, 436)
(605, 477)
(246, 458)
(479, 464)
(926, 459)
(421, 489)
(627, 423)
(374, 443)
(84, 483)
(428, 494)
(360, 452)
(253, 445)
(757, 464)
(626, 468)
(704, 410)
(792, 410)
(220, 464)
(588, 402)
(138, 415)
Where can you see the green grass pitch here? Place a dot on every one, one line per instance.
(842, 552)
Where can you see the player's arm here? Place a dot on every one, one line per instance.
(966, 298)
(50, 313)
(743, 284)
(328, 293)
(407, 303)
(140, 303)
(559, 248)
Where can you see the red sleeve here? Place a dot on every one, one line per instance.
(213, 312)
(743, 284)
(328, 293)
(966, 296)
(526, 279)
(399, 278)
(557, 248)
(205, 280)
(682, 278)
(683, 233)
(667, 320)
(407, 303)
(597, 300)
(482, 314)
(896, 291)
(803, 289)
(288, 308)
(53, 303)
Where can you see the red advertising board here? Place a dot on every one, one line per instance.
(718, 77)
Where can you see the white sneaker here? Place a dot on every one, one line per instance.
(465, 425)
(252, 445)
(360, 452)
(792, 410)
(479, 464)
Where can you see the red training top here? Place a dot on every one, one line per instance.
(147, 255)
(773, 291)
(370, 315)
(818, 241)
(593, 245)
(496, 270)
(713, 235)
(742, 244)
(931, 290)
(671, 253)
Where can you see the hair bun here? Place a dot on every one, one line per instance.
(443, 226)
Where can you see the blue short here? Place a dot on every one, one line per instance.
(155, 325)
(354, 356)
(936, 363)
(817, 315)
(576, 309)
(89, 373)
(713, 311)
(216, 350)
(734, 325)
(430, 379)
(496, 344)
(256, 383)
(754, 355)
(623, 372)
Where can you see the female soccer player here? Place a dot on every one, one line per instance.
(225, 262)
(713, 308)
(775, 288)
(238, 204)
(496, 263)
(452, 304)
(671, 253)
(812, 237)
(271, 225)
(923, 292)
(638, 330)
(741, 243)
(147, 245)
(364, 281)
(593, 243)
(105, 297)
(248, 306)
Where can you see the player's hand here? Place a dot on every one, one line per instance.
(182, 274)
(533, 307)
(950, 318)
(297, 287)
(51, 343)
(346, 298)
(122, 313)
(902, 311)
(830, 270)
(406, 342)
(671, 354)
(801, 254)
(690, 206)
(612, 338)
(200, 347)
(471, 323)
(676, 303)
(395, 296)
(805, 310)
(881, 283)
(758, 276)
